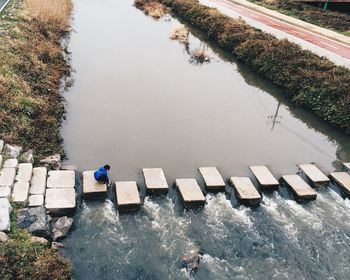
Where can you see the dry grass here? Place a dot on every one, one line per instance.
(199, 56)
(51, 11)
(152, 8)
(180, 34)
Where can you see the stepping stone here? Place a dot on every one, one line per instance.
(91, 187)
(245, 190)
(300, 189)
(342, 179)
(5, 210)
(24, 172)
(38, 181)
(61, 179)
(347, 165)
(155, 180)
(127, 195)
(7, 177)
(60, 200)
(212, 178)
(264, 177)
(5, 192)
(36, 200)
(190, 192)
(314, 174)
(11, 163)
(20, 192)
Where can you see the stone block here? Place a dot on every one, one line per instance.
(264, 177)
(190, 193)
(1, 145)
(315, 175)
(0, 161)
(20, 192)
(342, 179)
(7, 177)
(11, 163)
(300, 189)
(127, 195)
(38, 181)
(36, 200)
(24, 172)
(92, 188)
(60, 200)
(347, 165)
(245, 190)
(212, 178)
(155, 180)
(5, 192)
(5, 211)
(61, 179)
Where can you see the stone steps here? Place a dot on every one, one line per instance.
(212, 179)
(314, 175)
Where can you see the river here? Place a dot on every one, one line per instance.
(137, 102)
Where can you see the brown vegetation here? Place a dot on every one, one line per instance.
(199, 56)
(152, 8)
(31, 67)
(308, 80)
(180, 34)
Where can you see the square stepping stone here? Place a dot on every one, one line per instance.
(36, 200)
(11, 163)
(264, 177)
(190, 193)
(5, 211)
(342, 179)
(38, 181)
(245, 190)
(212, 178)
(61, 179)
(92, 188)
(5, 192)
(155, 180)
(7, 177)
(24, 172)
(127, 196)
(300, 189)
(315, 175)
(20, 192)
(60, 200)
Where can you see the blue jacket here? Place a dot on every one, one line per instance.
(101, 174)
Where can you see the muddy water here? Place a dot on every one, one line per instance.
(138, 102)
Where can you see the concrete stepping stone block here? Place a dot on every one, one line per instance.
(190, 193)
(264, 177)
(5, 192)
(92, 188)
(155, 180)
(7, 177)
(20, 192)
(38, 181)
(11, 163)
(342, 179)
(314, 175)
(245, 190)
(300, 189)
(60, 200)
(5, 211)
(212, 178)
(127, 196)
(36, 200)
(347, 165)
(24, 172)
(61, 179)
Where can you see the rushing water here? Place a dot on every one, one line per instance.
(138, 102)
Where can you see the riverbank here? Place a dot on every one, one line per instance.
(32, 65)
(309, 81)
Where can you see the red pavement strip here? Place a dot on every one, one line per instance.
(320, 41)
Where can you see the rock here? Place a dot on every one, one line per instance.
(20, 192)
(1, 145)
(56, 245)
(35, 220)
(24, 172)
(40, 240)
(191, 260)
(52, 162)
(7, 177)
(11, 163)
(5, 210)
(3, 237)
(36, 200)
(38, 182)
(12, 151)
(27, 157)
(60, 227)
(5, 192)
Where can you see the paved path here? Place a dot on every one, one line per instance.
(330, 45)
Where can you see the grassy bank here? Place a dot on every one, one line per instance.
(31, 68)
(23, 259)
(336, 21)
(308, 80)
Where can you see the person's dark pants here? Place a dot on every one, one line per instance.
(103, 179)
